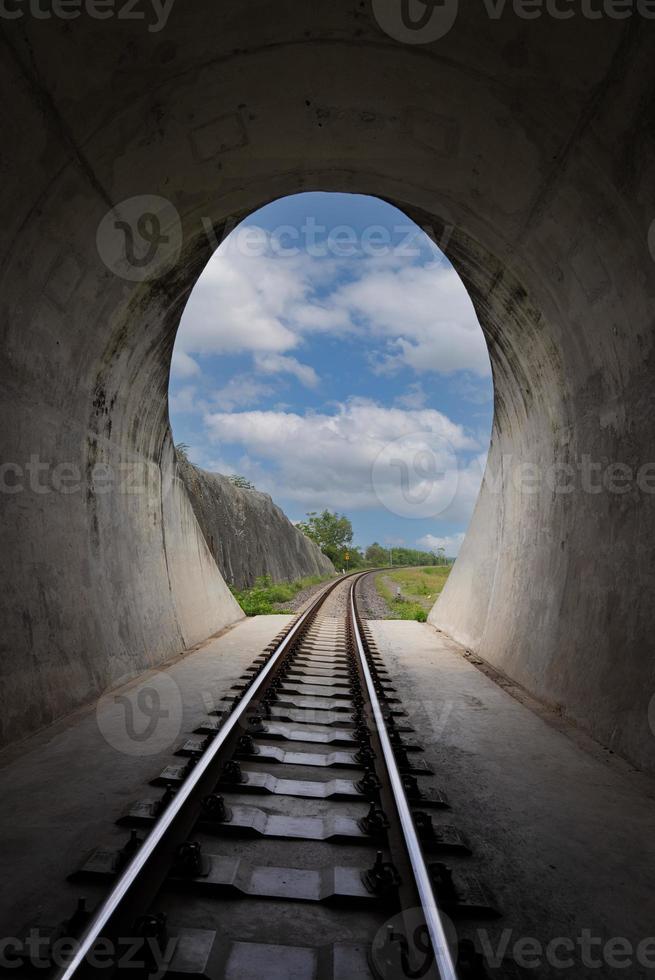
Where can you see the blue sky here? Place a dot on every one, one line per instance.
(330, 353)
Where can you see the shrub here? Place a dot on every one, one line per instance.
(263, 596)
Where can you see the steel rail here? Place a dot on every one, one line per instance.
(443, 959)
(137, 865)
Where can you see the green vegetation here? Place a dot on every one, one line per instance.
(265, 595)
(241, 482)
(376, 554)
(333, 533)
(419, 588)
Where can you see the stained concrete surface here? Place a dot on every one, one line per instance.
(524, 145)
(63, 788)
(561, 831)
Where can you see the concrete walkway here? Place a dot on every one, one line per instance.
(562, 831)
(63, 788)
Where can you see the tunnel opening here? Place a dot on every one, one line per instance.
(330, 355)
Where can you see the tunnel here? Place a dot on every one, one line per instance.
(523, 147)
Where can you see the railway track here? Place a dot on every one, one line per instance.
(297, 834)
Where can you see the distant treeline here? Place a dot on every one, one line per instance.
(376, 554)
(333, 533)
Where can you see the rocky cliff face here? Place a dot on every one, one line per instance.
(247, 533)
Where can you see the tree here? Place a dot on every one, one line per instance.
(241, 482)
(355, 558)
(377, 555)
(333, 533)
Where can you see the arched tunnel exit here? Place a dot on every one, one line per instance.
(330, 356)
(525, 144)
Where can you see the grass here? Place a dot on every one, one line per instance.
(419, 590)
(265, 596)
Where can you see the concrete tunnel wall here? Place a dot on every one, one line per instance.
(527, 146)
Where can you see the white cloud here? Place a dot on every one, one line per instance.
(241, 390)
(238, 304)
(468, 489)
(413, 316)
(320, 317)
(473, 390)
(416, 315)
(425, 314)
(323, 459)
(451, 543)
(414, 397)
(184, 400)
(183, 366)
(283, 364)
(218, 465)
